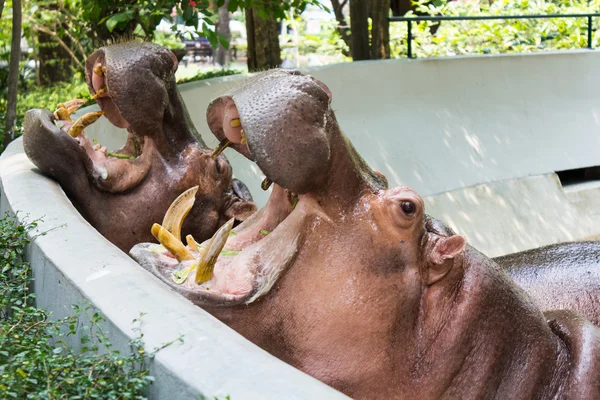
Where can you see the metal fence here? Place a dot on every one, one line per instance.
(410, 20)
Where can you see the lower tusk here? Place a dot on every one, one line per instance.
(178, 210)
(266, 184)
(99, 92)
(207, 262)
(243, 137)
(83, 122)
(220, 148)
(171, 243)
(192, 244)
(235, 122)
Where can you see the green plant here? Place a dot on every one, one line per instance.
(170, 41)
(494, 36)
(36, 361)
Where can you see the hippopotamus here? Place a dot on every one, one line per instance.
(123, 193)
(559, 276)
(352, 283)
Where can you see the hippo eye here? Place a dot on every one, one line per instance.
(408, 207)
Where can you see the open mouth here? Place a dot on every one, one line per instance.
(238, 264)
(120, 169)
(134, 147)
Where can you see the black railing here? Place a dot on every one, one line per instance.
(410, 20)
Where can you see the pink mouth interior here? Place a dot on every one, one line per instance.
(235, 269)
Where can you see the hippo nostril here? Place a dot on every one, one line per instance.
(218, 167)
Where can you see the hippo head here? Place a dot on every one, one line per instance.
(134, 85)
(282, 120)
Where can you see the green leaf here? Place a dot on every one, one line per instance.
(223, 40)
(116, 19)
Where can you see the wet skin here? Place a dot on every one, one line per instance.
(356, 286)
(123, 194)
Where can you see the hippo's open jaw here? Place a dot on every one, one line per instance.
(238, 265)
(242, 264)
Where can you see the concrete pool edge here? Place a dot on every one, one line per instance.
(73, 262)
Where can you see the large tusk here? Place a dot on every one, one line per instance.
(83, 122)
(171, 243)
(243, 137)
(219, 149)
(208, 260)
(178, 210)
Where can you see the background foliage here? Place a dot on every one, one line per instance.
(495, 36)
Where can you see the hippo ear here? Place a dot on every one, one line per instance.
(442, 255)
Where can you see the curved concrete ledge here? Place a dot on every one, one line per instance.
(73, 262)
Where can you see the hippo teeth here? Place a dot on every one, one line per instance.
(99, 92)
(99, 70)
(266, 184)
(86, 120)
(64, 110)
(207, 262)
(220, 148)
(178, 210)
(171, 243)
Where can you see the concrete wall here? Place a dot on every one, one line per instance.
(73, 263)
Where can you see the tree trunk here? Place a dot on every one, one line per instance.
(401, 7)
(1, 7)
(222, 57)
(359, 25)
(263, 42)
(342, 25)
(380, 29)
(13, 73)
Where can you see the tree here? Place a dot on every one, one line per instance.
(13, 74)
(262, 29)
(263, 51)
(380, 28)
(375, 45)
(222, 56)
(1, 7)
(359, 25)
(343, 28)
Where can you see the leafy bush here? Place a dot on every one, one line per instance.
(35, 360)
(495, 36)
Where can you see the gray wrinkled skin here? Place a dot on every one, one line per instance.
(559, 276)
(284, 116)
